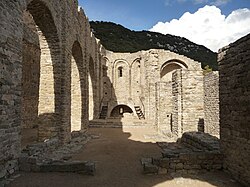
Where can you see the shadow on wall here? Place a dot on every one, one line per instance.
(100, 98)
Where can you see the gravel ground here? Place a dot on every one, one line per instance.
(117, 156)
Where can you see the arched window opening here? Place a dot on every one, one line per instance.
(120, 72)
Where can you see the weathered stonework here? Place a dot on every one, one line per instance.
(196, 152)
(10, 83)
(211, 103)
(46, 48)
(234, 70)
(146, 82)
(57, 77)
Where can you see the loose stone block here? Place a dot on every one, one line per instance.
(164, 163)
(149, 168)
(179, 166)
(162, 171)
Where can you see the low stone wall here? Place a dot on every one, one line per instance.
(200, 141)
(196, 152)
(49, 156)
(211, 103)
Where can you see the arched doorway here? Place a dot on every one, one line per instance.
(41, 71)
(77, 77)
(92, 88)
(119, 111)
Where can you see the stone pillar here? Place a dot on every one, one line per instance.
(211, 103)
(11, 37)
(177, 128)
(193, 99)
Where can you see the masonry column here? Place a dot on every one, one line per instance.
(65, 110)
(11, 30)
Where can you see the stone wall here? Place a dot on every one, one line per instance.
(193, 100)
(211, 103)
(173, 104)
(11, 37)
(188, 106)
(234, 71)
(30, 78)
(45, 47)
(164, 107)
(196, 152)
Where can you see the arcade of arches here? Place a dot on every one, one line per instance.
(57, 78)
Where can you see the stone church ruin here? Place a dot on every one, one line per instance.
(57, 80)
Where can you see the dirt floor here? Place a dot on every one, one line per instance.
(117, 156)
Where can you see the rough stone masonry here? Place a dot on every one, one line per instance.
(42, 44)
(56, 76)
(211, 103)
(234, 67)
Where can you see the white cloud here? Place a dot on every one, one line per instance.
(210, 2)
(220, 2)
(208, 26)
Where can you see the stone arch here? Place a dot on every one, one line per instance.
(40, 31)
(77, 87)
(120, 61)
(119, 111)
(169, 67)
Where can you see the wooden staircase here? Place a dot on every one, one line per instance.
(104, 112)
(139, 112)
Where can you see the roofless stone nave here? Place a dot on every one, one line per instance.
(57, 77)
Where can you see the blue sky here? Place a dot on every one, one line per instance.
(146, 14)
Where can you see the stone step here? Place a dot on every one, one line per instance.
(139, 112)
(86, 167)
(105, 124)
(104, 112)
(30, 164)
